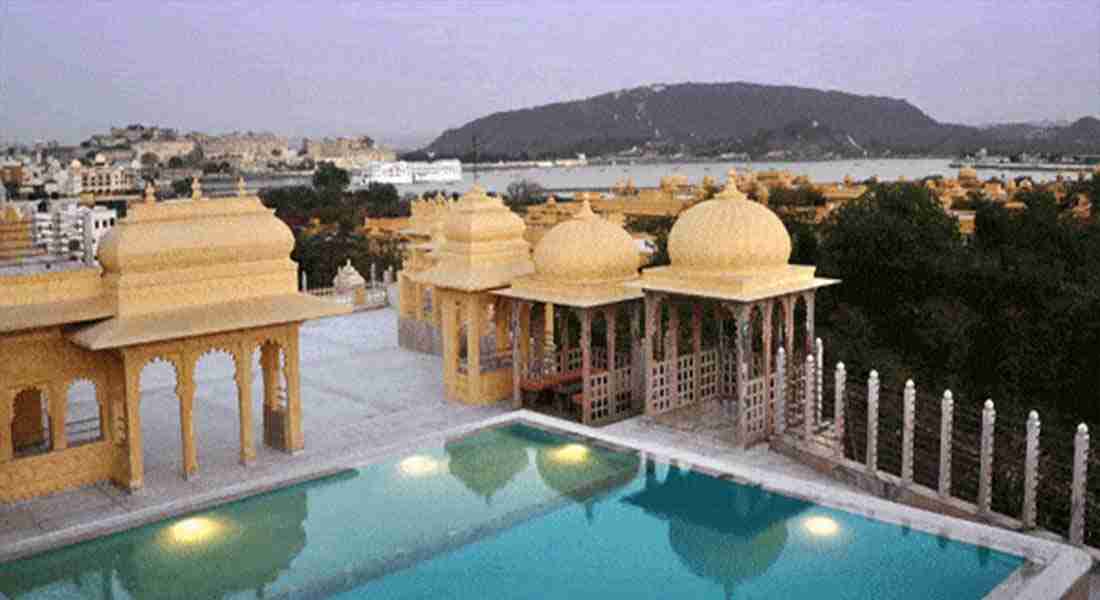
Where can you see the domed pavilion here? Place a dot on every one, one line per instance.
(729, 257)
(179, 279)
(482, 250)
(581, 270)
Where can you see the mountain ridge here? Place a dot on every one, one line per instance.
(710, 118)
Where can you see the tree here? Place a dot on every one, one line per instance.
(330, 178)
(149, 160)
(800, 196)
(181, 187)
(175, 163)
(523, 193)
(658, 228)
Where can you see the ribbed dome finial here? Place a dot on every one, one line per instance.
(730, 192)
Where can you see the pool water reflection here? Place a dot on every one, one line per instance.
(515, 512)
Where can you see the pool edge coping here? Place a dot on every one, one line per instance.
(1061, 566)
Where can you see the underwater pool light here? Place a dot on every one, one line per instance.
(821, 526)
(419, 466)
(570, 453)
(194, 530)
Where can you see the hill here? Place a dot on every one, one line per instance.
(712, 118)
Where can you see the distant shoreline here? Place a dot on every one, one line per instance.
(1024, 167)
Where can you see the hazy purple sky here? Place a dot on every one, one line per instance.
(403, 71)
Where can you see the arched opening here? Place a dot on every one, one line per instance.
(275, 403)
(30, 425)
(778, 329)
(215, 410)
(83, 414)
(800, 334)
(755, 342)
(160, 419)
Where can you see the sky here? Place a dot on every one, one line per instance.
(402, 72)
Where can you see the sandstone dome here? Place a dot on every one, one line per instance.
(728, 234)
(183, 234)
(478, 217)
(586, 249)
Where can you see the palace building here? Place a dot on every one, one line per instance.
(178, 280)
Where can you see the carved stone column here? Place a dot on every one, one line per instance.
(586, 365)
(295, 438)
(474, 313)
(672, 353)
(697, 349)
(652, 321)
(127, 431)
(809, 298)
(55, 396)
(517, 359)
(637, 357)
(741, 328)
(769, 387)
(612, 380)
(243, 374)
(451, 331)
(185, 392)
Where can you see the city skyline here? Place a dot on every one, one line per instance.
(403, 73)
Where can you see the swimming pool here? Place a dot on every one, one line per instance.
(517, 512)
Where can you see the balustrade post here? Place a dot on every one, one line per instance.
(909, 401)
(809, 402)
(1031, 470)
(947, 416)
(872, 423)
(985, 477)
(819, 386)
(1080, 474)
(780, 392)
(839, 383)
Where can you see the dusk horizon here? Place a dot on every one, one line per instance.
(305, 72)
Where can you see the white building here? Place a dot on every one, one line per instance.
(67, 230)
(107, 179)
(440, 171)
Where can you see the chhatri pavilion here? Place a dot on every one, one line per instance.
(179, 279)
(575, 329)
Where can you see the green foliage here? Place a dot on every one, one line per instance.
(659, 228)
(1013, 315)
(799, 196)
(181, 188)
(524, 192)
(319, 256)
(213, 167)
(330, 178)
(972, 200)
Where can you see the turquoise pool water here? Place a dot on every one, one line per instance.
(515, 512)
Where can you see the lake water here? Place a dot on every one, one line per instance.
(649, 175)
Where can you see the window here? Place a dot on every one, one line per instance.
(30, 425)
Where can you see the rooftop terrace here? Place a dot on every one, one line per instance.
(363, 397)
